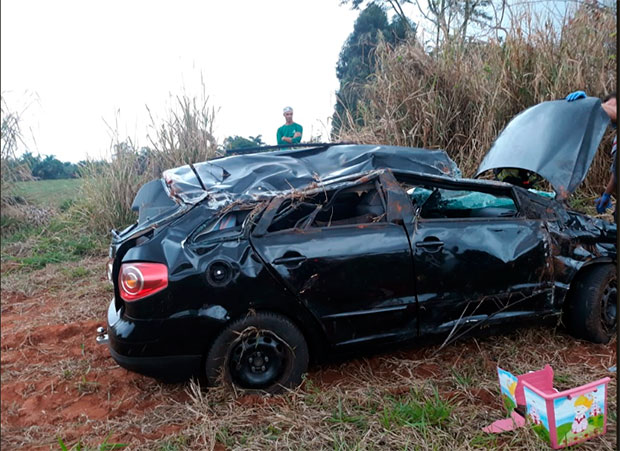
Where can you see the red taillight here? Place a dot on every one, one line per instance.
(138, 280)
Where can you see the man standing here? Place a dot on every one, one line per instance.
(290, 132)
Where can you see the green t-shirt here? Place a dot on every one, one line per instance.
(287, 131)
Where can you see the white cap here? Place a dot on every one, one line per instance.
(287, 109)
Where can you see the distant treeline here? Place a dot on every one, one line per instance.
(47, 167)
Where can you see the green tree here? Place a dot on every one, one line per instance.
(239, 142)
(396, 6)
(29, 159)
(357, 57)
(49, 167)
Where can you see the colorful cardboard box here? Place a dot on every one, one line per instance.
(561, 418)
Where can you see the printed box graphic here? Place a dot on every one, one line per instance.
(561, 418)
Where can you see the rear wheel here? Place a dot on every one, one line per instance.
(591, 311)
(263, 352)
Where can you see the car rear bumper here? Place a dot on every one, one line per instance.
(137, 345)
(175, 368)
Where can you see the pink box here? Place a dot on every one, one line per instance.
(561, 418)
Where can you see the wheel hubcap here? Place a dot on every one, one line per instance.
(257, 360)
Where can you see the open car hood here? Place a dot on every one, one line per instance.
(557, 140)
(247, 177)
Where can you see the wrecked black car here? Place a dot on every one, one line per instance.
(244, 268)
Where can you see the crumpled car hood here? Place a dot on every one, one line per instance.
(247, 177)
(557, 140)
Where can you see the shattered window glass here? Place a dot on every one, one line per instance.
(436, 202)
(227, 225)
(355, 205)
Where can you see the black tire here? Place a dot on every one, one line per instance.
(591, 310)
(263, 352)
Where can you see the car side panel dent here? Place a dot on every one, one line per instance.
(484, 267)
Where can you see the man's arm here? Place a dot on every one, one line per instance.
(610, 110)
(297, 136)
(611, 185)
(604, 202)
(283, 139)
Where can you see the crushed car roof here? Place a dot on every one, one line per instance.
(556, 139)
(243, 177)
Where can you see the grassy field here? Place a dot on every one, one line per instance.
(49, 193)
(43, 229)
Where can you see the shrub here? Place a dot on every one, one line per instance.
(460, 97)
(10, 139)
(108, 190)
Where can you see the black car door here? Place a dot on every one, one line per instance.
(348, 259)
(477, 259)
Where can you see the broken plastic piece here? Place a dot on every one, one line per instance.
(506, 424)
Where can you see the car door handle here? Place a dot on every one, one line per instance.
(431, 245)
(290, 260)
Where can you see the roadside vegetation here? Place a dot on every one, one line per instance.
(59, 194)
(456, 95)
(184, 136)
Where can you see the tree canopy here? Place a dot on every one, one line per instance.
(239, 142)
(47, 167)
(357, 57)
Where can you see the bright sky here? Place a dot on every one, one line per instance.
(75, 64)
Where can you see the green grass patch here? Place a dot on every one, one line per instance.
(340, 415)
(80, 447)
(344, 444)
(462, 379)
(16, 227)
(61, 237)
(225, 437)
(416, 410)
(49, 193)
(177, 443)
(484, 441)
(61, 241)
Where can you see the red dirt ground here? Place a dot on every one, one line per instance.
(57, 382)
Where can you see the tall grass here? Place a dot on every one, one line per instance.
(460, 97)
(10, 138)
(185, 136)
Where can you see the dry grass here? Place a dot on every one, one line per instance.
(71, 284)
(11, 139)
(184, 137)
(350, 411)
(421, 398)
(460, 98)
